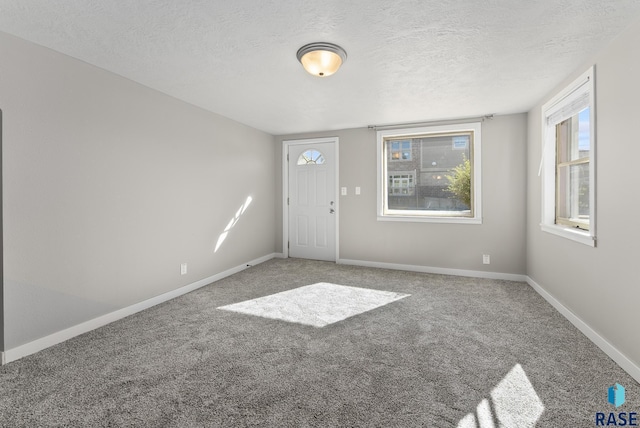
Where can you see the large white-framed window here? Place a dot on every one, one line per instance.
(568, 162)
(438, 178)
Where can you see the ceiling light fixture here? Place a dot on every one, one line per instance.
(321, 59)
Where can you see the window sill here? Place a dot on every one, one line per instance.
(581, 236)
(443, 218)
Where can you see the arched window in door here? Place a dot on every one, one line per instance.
(311, 157)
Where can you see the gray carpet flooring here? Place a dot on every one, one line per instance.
(432, 359)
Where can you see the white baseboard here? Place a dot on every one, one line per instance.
(53, 339)
(441, 271)
(2, 362)
(625, 363)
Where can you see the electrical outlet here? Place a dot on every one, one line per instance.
(357, 190)
(343, 191)
(183, 269)
(486, 259)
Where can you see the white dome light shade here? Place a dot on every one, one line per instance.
(321, 59)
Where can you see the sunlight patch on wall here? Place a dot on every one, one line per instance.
(232, 223)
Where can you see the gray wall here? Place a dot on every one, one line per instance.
(109, 186)
(600, 285)
(454, 246)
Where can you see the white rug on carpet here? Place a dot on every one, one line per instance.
(317, 305)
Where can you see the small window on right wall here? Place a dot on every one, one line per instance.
(568, 162)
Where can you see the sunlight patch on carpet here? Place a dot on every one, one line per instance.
(514, 401)
(317, 305)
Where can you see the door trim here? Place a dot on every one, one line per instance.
(285, 188)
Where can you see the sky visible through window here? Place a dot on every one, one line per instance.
(583, 130)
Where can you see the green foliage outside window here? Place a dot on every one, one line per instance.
(460, 182)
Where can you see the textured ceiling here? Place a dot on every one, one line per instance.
(410, 60)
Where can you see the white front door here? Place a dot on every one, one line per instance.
(312, 199)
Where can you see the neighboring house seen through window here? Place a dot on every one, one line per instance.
(402, 183)
(400, 150)
(430, 174)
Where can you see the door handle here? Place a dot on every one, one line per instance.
(331, 211)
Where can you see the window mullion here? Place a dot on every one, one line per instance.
(580, 161)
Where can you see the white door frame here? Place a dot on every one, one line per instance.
(285, 188)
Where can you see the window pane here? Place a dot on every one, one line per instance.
(436, 159)
(311, 157)
(573, 143)
(584, 130)
(461, 142)
(573, 193)
(573, 137)
(401, 184)
(399, 150)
